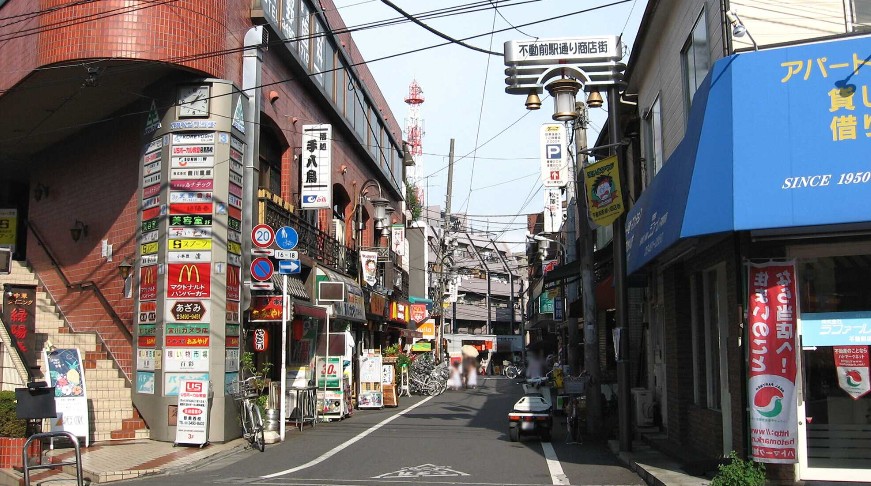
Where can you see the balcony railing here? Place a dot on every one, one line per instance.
(315, 243)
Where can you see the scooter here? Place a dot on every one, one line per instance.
(533, 413)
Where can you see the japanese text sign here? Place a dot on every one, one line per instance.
(316, 167)
(554, 159)
(852, 368)
(602, 182)
(771, 315)
(19, 315)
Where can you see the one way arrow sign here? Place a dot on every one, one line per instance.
(288, 266)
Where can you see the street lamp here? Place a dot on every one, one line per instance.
(564, 92)
(379, 203)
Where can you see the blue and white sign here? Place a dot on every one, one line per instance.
(554, 164)
(836, 328)
(287, 267)
(286, 238)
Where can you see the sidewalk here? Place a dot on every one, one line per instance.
(654, 467)
(105, 462)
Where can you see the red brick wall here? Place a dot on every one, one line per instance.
(93, 178)
(18, 51)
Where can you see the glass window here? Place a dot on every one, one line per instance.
(360, 112)
(289, 16)
(653, 141)
(350, 100)
(319, 51)
(861, 15)
(304, 35)
(330, 73)
(706, 294)
(270, 162)
(341, 87)
(696, 59)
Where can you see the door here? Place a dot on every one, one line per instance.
(834, 403)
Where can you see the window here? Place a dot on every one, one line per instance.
(330, 73)
(304, 34)
(319, 51)
(861, 15)
(653, 141)
(696, 59)
(707, 292)
(270, 163)
(360, 112)
(341, 88)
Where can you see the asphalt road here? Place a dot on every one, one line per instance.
(457, 438)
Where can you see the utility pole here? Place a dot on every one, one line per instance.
(446, 224)
(585, 237)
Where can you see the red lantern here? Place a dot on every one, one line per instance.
(261, 340)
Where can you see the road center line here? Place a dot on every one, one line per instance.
(557, 476)
(323, 457)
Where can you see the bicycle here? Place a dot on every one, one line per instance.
(573, 419)
(513, 371)
(245, 392)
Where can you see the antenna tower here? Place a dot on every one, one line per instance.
(414, 128)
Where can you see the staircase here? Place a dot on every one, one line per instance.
(110, 401)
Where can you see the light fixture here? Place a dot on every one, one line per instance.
(124, 268)
(738, 28)
(407, 159)
(78, 230)
(380, 204)
(40, 191)
(594, 99)
(533, 102)
(563, 92)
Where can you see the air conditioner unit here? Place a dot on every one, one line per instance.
(642, 400)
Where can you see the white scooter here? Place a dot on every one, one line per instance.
(533, 413)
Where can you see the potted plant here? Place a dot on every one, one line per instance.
(261, 382)
(13, 434)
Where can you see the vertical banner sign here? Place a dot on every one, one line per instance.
(67, 375)
(368, 261)
(193, 412)
(19, 315)
(772, 308)
(397, 239)
(554, 162)
(316, 167)
(604, 200)
(553, 210)
(852, 364)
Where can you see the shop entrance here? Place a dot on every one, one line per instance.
(14, 200)
(834, 409)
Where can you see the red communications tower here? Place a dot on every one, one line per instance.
(414, 130)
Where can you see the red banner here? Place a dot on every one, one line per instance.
(187, 341)
(234, 282)
(771, 314)
(147, 341)
(267, 308)
(148, 283)
(188, 280)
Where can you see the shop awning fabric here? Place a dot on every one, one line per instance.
(770, 144)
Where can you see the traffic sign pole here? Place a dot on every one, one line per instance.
(283, 413)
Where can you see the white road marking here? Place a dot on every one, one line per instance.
(323, 457)
(557, 476)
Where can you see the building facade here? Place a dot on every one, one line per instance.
(237, 106)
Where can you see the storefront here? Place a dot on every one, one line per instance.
(773, 170)
(376, 320)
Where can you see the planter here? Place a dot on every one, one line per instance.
(10, 451)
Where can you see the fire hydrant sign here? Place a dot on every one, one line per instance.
(852, 363)
(193, 412)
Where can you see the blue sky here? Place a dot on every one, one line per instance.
(466, 99)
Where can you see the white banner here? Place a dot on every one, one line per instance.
(193, 412)
(316, 167)
(397, 239)
(369, 263)
(554, 160)
(553, 209)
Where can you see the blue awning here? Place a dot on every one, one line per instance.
(778, 138)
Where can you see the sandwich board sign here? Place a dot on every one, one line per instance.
(193, 413)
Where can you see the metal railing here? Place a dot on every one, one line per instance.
(92, 286)
(315, 243)
(52, 465)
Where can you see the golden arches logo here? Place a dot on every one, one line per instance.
(148, 276)
(232, 276)
(190, 269)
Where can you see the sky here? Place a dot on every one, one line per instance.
(498, 183)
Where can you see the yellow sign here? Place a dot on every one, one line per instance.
(427, 328)
(190, 244)
(148, 248)
(8, 225)
(604, 200)
(234, 247)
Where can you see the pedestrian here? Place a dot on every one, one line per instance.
(472, 374)
(456, 381)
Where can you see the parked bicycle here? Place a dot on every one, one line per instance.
(427, 378)
(245, 392)
(513, 370)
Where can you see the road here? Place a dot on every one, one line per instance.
(457, 438)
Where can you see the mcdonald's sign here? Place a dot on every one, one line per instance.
(189, 280)
(148, 283)
(234, 277)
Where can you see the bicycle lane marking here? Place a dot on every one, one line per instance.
(323, 457)
(557, 476)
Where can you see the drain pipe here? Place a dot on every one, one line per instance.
(252, 62)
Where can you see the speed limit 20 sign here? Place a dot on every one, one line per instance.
(262, 236)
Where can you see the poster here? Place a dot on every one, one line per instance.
(67, 375)
(329, 372)
(771, 314)
(602, 183)
(193, 412)
(369, 264)
(852, 368)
